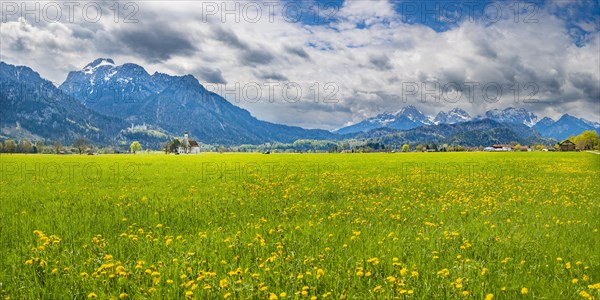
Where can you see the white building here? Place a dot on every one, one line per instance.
(188, 146)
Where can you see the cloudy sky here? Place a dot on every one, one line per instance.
(348, 59)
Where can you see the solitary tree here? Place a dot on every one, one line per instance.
(221, 149)
(420, 148)
(587, 140)
(135, 147)
(405, 148)
(518, 147)
(166, 146)
(175, 145)
(40, 146)
(57, 146)
(25, 146)
(1, 146)
(81, 144)
(10, 146)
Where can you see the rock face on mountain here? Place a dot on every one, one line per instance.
(34, 108)
(174, 103)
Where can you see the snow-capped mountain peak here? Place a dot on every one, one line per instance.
(453, 116)
(414, 114)
(97, 63)
(513, 115)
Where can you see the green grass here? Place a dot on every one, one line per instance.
(324, 225)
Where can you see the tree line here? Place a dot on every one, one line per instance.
(79, 146)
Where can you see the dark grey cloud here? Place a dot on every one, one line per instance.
(272, 76)
(82, 33)
(381, 62)
(248, 55)
(212, 75)
(485, 49)
(156, 44)
(255, 57)
(19, 45)
(298, 51)
(588, 84)
(229, 38)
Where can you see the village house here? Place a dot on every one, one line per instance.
(502, 147)
(566, 145)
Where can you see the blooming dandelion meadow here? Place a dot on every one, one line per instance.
(300, 150)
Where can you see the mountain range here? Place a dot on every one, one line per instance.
(103, 99)
(410, 117)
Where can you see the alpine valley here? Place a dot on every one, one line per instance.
(108, 103)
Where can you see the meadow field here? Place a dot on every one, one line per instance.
(301, 226)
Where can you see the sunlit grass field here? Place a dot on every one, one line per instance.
(301, 226)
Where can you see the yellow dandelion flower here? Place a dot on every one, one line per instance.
(524, 291)
(273, 296)
(489, 296)
(443, 272)
(92, 295)
(223, 283)
(123, 295)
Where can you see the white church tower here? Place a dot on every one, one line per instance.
(186, 143)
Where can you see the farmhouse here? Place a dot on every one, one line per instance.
(566, 145)
(502, 147)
